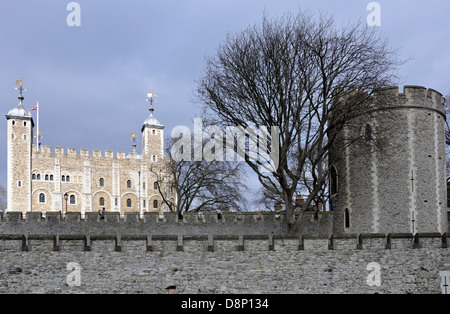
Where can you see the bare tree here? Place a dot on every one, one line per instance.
(202, 186)
(305, 76)
(447, 135)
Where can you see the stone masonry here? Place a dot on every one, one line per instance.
(39, 178)
(391, 172)
(248, 254)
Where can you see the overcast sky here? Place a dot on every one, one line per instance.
(91, 81)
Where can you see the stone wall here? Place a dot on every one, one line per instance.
(210, 255)
(225, 264)
(153, 223)
(85, 172)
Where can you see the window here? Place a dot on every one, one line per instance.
(63, 178)
(128, 203)
(154, 158)
(13, 122)
(347, 218)
(155, 204)
(116, 201)
(102, 201)
(46, 177)
(129, 184)
(368, 132)
(144, 203)
(102, 182)
(41, 198)
(24, 123)
(333, 180)
(72, 200)
(38, 177)
(153, 132)
(33, 176)
(155, 185)
(51, 177)
(67, 178)
(19, 184)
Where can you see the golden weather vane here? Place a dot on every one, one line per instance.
(134, 138)
(150, 99)
(20, 88)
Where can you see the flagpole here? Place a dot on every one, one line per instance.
(38, 131)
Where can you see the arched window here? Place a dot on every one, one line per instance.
(347, 218)
(154, 158)
(155, 185)
(38, 177)
(102, 201)
(155, 204)
(129, 184)
(333, 181)
(368, 132)
(129, 203)
(46, 177)
(51, 177)
(144, 203)
(63, 178)
(41, 198)
(67, 178)
(102, 182)
(72, 200)
(33, 176)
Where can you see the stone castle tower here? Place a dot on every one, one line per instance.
(390, 176)
(65, 180)
(19, 141)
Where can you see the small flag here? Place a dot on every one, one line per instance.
(133, 134)
(34, 108)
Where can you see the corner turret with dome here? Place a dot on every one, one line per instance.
(19, 151)
(20, 111)
(152, 134)
(151, 121)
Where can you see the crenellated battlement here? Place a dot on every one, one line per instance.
(59, 152)
(412, 96)
(248, 253)
(152, 222)
(265, 231)
(212, 243)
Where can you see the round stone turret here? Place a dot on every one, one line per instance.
(388, 174)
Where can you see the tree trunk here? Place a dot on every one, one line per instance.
(290, 219)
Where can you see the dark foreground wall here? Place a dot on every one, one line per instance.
(226, 264)
(152, 223)
(249, 256)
